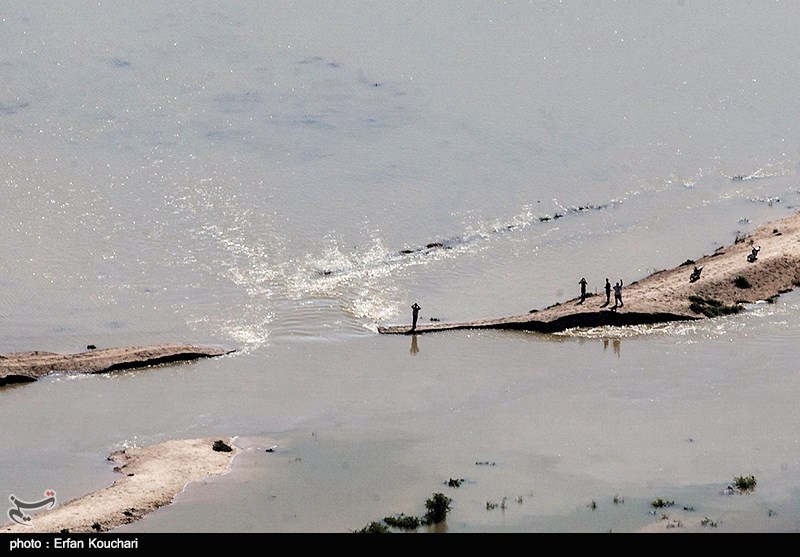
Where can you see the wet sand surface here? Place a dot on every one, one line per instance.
(151, 477)
(23, 367)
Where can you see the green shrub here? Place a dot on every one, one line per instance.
(661, 503)
(373, 528)
(712, 308)
(403, 522)
(744, 483)
(438, 507)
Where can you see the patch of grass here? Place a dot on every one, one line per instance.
(661, 503)
(712, 308)
(708, 522)
(742, 282)
(403, 522)
(373, 528)
(491, 505)
(744, 484)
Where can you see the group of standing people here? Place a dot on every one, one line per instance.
(617, 288)
(617, 293)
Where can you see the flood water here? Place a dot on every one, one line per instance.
(281, 178)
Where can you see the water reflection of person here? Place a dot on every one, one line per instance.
(615, 344)
(414, 346)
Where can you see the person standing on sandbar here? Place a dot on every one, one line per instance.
(618, 295)
(608, 292)
(414, 315)
(582, 282)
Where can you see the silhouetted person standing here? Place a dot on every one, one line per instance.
(414, 316)
(618, 295)
(583, 290)
(608, 292)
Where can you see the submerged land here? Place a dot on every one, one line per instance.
(728, 280)
(24, 367)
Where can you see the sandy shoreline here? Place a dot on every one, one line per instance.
(24, 367)
(151, 477)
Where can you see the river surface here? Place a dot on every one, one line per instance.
(281, 177)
